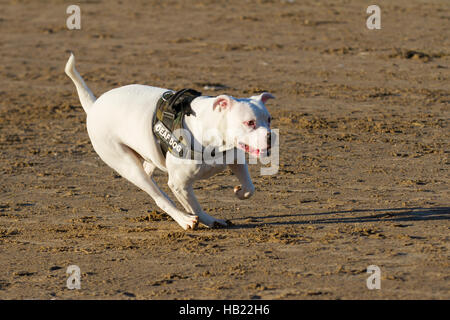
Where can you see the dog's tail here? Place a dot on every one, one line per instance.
(86, 96)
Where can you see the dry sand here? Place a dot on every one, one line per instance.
(363, 180)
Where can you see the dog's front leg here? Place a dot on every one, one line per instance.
(246, 189)
(185, 194)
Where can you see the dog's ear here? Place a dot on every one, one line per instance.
(222, 102)
(263, 97)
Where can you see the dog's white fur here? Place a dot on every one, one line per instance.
(119, 124)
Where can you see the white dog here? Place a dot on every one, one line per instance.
(119, 124)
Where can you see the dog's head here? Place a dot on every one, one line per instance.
(247, 123)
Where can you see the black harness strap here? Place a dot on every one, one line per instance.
(170, 111)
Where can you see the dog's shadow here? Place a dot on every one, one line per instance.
(390, 214)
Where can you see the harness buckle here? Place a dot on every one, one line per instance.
(169, 115)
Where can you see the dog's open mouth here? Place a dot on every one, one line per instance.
(253, 151)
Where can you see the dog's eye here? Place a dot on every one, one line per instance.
(250, 123)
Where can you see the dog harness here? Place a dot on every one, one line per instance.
(168, 119)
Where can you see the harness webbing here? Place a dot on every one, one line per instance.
(171, 108)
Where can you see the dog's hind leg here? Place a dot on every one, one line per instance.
(131, 166)
(149, 168)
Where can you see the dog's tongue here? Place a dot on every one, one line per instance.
(251, 150)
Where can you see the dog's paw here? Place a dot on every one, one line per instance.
(189, 222)
(243, 194)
